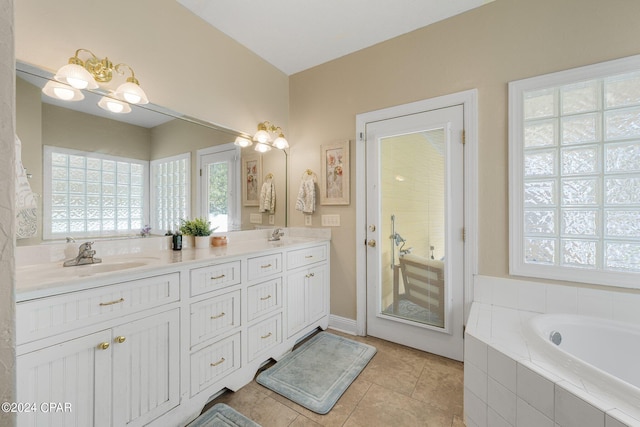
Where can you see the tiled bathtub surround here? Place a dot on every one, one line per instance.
(505, 385)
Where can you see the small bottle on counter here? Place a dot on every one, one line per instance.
(177, 241)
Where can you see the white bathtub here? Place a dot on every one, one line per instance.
(598, 355)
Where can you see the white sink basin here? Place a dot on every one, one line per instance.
(91, 269)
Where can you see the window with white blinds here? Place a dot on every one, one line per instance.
(170, 192)
(91, 194)
(574, 144)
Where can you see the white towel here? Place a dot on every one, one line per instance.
(268, 197)
(26, 203)
(306, 201)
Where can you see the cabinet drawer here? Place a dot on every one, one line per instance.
(214, 316)
(52, 315)
(263, 298)
(214, 362)
(264, 266)
(214, 277)
(264, 335)
(306, 256)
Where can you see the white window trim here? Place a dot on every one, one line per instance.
(517, 266)
(152, 193)
(47, 195)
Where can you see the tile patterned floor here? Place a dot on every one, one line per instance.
(399, 387)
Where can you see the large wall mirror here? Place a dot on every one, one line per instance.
(148, 133)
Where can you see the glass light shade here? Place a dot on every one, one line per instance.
(262, 136)
(76, 76)
(114, 105)
(262, 148)
(62, 91)
(243, 142)
(280, 142)
(131, 93)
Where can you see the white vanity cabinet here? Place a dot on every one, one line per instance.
(152, 349)
(307, 287)
(116, 372)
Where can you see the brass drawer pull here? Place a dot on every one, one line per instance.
(103, 345)
(217, 316)
(218, 362)
(120, 339)
(265, 266)
(265, 298)
(103, 304)
(266, 336)
(217, 277)
(309, 256)
(309, 275)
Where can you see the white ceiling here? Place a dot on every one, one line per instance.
(294, 35)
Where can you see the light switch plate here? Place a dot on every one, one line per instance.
(308, 220)
(331, 220)
(272, 219)
(255, 218)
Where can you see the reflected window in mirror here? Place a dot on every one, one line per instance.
(220, 186)
(92, 194)
(170, 191)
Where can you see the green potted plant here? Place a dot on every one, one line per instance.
(200, 228)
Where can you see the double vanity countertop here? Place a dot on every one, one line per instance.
(39, 270)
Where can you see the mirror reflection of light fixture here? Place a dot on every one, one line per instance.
(87, 74)
(263, 138)
(242, 141)
(62, 91)
(114, 105)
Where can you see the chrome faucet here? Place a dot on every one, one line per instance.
(275, 236)
(85, 256)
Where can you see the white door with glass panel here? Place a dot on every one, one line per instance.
(219, 186)
(415, 262)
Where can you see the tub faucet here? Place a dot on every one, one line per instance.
(85, 256)
(275, 236)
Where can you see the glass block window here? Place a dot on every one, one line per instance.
(170, 192)
(574, 143)
(89, 194)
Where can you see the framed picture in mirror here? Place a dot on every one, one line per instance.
(251, 173)
(334, 182)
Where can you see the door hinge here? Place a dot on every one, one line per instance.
(464, 137)
(361, 136)
(200, 172)
(463, 234)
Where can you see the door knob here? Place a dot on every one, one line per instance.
(372, 243)
(120, 339)
(103, 345)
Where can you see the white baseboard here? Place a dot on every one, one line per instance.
(342, 324)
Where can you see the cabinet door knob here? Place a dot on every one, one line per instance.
(103, 345)
(310, 275)
(120, 339)
(372, 243)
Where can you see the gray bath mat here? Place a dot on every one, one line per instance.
(221, 415)
(317, 373)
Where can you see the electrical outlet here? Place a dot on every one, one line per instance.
(272, 219)
(308, 220)
(331, 220)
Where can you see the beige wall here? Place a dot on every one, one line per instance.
(182, 62)
(7, 213)
(485, 49)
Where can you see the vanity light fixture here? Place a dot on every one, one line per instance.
(242, 141)
(263, 137)
(87, 74)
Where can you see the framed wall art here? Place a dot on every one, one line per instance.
(334, 182)
(251, 173)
